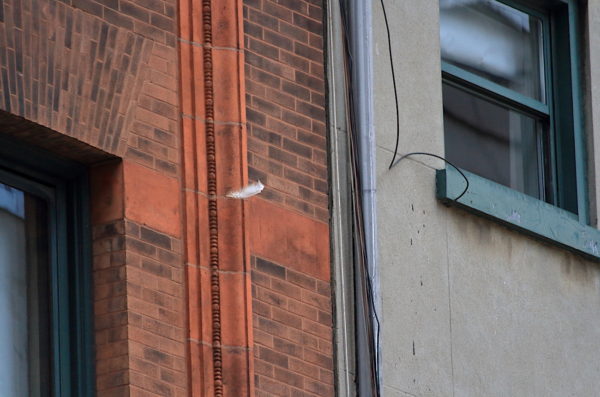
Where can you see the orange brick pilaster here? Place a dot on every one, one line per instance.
(214, 162)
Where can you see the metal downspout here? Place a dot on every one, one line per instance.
(362, 49)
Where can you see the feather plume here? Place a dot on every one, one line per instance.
(247, 191)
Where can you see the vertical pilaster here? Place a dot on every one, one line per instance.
(214, 162)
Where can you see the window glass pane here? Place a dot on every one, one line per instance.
(24, 295)
(493, 141)
(494, 41)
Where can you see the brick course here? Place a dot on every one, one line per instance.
(285, 102)
(102, 72)
(110, 304)
(139, 311)
(292, 332)
(285, 107)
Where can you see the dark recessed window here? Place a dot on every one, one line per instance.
(25, 336)
(45, 289)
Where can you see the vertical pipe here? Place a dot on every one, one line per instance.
(362, 77)
(341, 204)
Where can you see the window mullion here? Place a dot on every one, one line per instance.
(501, 95)
(550, 151)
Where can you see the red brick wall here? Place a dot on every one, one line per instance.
(97, 80)
(285, 98)
(285, 101)
(105, 74)
(156, 316)
(139, 336)
(139, 286)
(102, 72)
(110, 293)
(292, 332)
(214, 163)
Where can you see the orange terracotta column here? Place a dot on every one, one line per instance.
(214, 162)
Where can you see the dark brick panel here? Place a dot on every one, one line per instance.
(292, 332)
(285, 102)
(102, 72)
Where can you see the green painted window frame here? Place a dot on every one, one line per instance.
(62, 184)
(567, 142)
(518, 211)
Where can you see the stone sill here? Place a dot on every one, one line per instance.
(518, 211)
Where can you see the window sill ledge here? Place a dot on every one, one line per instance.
(518, 211)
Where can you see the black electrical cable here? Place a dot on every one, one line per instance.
(356, 180)
(389, 41)
(371, 295)
(362, 257)
(441, 158)
(394, 162)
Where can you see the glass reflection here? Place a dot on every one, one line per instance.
(494, 41)
(493, 141)
(24, 295)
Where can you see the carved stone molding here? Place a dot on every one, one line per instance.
(214, 162)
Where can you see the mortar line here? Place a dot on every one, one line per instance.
(227, 347)
(214, 47)
(216, 122)
(220, 271)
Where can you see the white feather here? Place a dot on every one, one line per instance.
(247, 191)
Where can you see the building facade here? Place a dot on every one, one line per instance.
(493, 294)
(124, 126)
(422, 216)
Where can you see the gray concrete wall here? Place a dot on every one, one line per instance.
(469, 307)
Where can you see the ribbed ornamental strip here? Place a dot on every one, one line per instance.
(211, 166)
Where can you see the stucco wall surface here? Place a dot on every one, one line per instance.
(469, 307)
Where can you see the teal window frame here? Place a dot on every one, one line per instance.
(549, 221)
(63, 185)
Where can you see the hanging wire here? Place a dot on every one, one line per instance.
(394, 162)
(389, 41)
(358, 224)
(441, 158)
